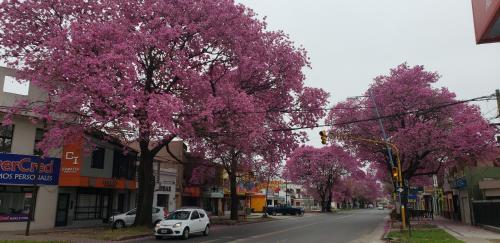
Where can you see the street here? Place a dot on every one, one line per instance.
(341, 227)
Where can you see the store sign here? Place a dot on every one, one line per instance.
(28, 170)
(71, 164)
(13, 217)
(412, 198)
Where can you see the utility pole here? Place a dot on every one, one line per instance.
(497, 93)
(391, 161)
(34, 195)
(384, 135)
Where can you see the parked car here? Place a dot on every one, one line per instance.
(284, 210)
(380, 207)
(127, 219)
(183, 222)
(370, 205)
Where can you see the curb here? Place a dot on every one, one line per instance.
(132, 237)
(490, 228)
(248, 222)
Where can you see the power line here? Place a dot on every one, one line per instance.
(422, 111)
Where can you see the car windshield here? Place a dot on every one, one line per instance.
(181, 215)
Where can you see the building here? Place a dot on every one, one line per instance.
(471, 193)
(168, 185)
(24, 185)
(69, 187)
(281, 193)
(94, 186)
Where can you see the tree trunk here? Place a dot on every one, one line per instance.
(145, 191)
(322, 197)
(234, 196)
(329, 202)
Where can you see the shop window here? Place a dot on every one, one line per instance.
(98, 158)
(91, 205)
(38, 137)
(15, 203)
(6, 134)
(14, 86)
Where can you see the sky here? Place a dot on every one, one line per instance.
(350, 42)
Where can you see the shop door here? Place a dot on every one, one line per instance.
(62, 209)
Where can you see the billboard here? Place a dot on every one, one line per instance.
(28, 170)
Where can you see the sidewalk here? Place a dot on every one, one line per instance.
(47, 237)
(466, 233)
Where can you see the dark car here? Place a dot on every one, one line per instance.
(284, 210)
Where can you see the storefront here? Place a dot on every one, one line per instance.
(165, 184)
(84, 206)
(93, 187)
(212, 200)
(27, 183)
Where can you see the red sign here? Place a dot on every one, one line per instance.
(71, 159)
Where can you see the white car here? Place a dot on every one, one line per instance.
(183, 222)
(127, 219)
(380, 207)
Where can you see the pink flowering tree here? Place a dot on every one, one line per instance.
(320, 169)
(428, 126)
(250, 121)
(149, 71)
(363, 189)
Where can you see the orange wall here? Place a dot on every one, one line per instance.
(258, 202)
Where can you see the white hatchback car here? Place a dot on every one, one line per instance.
(183, 222)
(127, 219)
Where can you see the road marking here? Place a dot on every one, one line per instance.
(284, 230)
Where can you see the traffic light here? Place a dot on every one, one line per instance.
(323, 136)
(395, 173)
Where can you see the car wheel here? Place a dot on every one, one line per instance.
(185, 234)
(301, 214)
(159, 237)
(206, 231)
(274, 213)
(119, 224)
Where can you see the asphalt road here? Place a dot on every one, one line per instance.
(351, 226)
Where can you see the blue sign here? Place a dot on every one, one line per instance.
(460, 183)
(23, 169)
